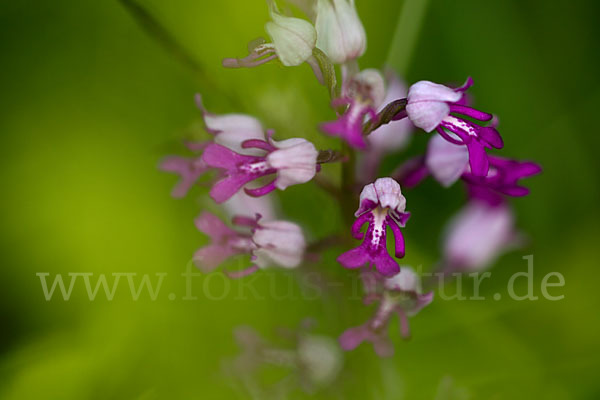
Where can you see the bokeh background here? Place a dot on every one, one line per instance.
(90, 104)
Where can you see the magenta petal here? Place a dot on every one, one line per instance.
(349, 126)
(258, 144)
(228, 186)
(212, 226)
(385, 264)
(189, 170)
(342, 128)
(468, 83)
(490, 135)
(352, 337)
(477, 158)
(358, 224)
(402, 217)
(515, 170)
(515, 191)
(210, 257)
(449, 138)
(365, 206)
(261, 191)
(218, 156)
(470, 112)
(412, 172)
(398, 238)
(354, 258)
(528, 169)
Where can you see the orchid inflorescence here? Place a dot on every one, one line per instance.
(373, 119)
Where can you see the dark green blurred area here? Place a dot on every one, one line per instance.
(90, 104)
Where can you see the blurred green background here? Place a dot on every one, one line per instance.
(91, 103)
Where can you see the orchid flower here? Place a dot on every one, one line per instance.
(270, 243)
(293, 161)
(381, 205)
(431, 106)
(402, 296)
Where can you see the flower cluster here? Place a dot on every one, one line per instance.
(376, 115)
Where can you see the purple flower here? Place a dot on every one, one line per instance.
(229, 130)
(400, 295)
(293, 161)
(363, 94)
(437, 107)
(381, 205)
(478, 235)
(447, 162)
(502, 180)
(270, 243)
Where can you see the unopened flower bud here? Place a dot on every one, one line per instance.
(293, 38)
(340, 34)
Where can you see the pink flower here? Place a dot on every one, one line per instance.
(229, 130)
(400, 295)
(478, 235)
(270, 243)
(363, 94)
(432, 106)
(293, 161)
(381, 205)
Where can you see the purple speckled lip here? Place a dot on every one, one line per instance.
(373, 249)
